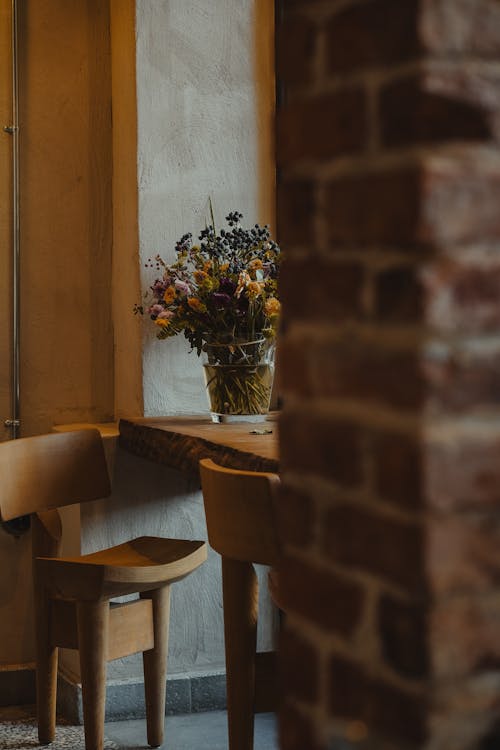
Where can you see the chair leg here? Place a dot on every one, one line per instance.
(240, 595)
(155, 665)
(46, 669)
(93, 629)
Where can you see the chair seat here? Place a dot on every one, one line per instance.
(134, 566)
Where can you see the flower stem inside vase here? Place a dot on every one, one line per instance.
(239, 380)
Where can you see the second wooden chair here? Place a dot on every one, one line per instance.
(241, 528)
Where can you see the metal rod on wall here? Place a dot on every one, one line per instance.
(13, 129)
(20, 525)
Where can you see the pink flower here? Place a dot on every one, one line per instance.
(182, 287)
(165, 315)
(155, 310)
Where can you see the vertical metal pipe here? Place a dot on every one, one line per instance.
(14, 422)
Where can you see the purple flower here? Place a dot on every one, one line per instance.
(159, 287)
(220, 299)
(226, 286)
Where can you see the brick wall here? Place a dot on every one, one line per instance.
(389, 210)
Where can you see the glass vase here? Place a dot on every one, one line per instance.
(239, 379)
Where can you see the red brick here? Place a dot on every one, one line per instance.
(461, 26)
(403, 637)
(318, 444)
(296, 41)
(463, 554)
(350, 368)
(356, 369)
(464, 636)
(330, 602)
(398, 469)
(294, 367)
(425, 110)
(460, 199)
(463, 474)
(323, 289)
(375, 208)
(321, 127)
(295, 213)
(382, 546)
(374, 33)
(462, 297)
(438, 203)
(387, 32)
(399, 296)
(458, 383)
(294, 516)
(393, 712)
(299, 670)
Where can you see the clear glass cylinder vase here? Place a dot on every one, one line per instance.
(239, 379)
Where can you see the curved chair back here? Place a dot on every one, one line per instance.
(49, 471)
(239, 513)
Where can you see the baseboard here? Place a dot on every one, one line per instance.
(186, 693)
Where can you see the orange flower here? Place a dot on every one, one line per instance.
(169, 295)
(162, 322)
(200, 276)
(255, 264)
(254, 288)
(272, 307)
(195, 304)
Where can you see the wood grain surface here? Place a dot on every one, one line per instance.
(180, 442)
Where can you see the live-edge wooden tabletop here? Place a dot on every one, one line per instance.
(180, 442)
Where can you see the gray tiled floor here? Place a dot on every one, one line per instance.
(202, 731)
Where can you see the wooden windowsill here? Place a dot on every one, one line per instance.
(180, 442)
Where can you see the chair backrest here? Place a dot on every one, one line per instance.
(50, 471)
(239, 512)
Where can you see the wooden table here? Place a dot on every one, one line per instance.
(180, 442)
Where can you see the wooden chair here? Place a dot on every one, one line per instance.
(72, 594)
(241, 528)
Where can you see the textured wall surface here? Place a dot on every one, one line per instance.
(201, 123)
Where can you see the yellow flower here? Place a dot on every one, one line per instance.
(255, 264)
(195, 304)
(162, 322)
(169, 295)
(272, 307)
(224, 267)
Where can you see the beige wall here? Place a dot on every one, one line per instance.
(125, 270)
(66, 171)
(66, 236)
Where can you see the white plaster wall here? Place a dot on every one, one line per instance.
(199, 131)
